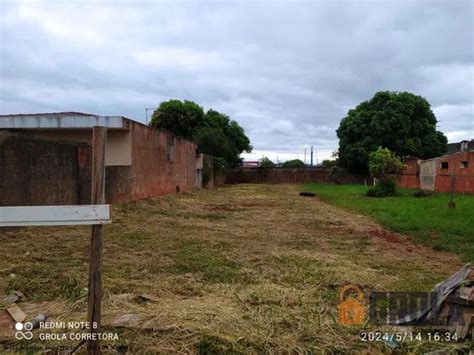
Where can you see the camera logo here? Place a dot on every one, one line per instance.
(351, 310)
(23, 331)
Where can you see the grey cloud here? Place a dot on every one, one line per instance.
(287, 71)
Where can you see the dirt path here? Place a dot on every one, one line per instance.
(246, 268)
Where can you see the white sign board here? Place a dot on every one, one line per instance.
(54, 215)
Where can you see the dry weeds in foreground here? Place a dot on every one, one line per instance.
(246, 269)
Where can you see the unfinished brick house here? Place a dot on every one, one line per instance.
(410, 177)
(140, 161)
(435, 174)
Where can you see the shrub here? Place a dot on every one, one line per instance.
(422, 193)
(382, 163)
(374, 191)
(384, 188)
(294, 164)
(266, 163)
(388, 187)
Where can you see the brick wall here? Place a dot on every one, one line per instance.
(161, 162)
(410, 176)
(285, 176)
(464, 176)
(38, 171)
(46, 171)
(118, 183)
(439, 178)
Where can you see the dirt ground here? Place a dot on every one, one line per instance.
(245, 269)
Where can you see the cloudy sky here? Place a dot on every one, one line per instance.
(287, 71)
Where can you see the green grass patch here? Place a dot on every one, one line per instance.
(427, 220)
(208, 263)
(41, 283)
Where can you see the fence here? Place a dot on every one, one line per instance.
(290, 176)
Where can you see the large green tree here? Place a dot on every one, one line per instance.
(182, 118)
(213, 132)
(400, 121)
(231, 131)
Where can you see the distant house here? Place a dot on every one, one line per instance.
(251, 164)
(437, 173)
(463, 146)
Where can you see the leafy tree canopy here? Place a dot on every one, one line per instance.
(401, 121)
(326, 163)
(266, 163)
(383, 162)
(183, 118)
(213, 132)
(293, 164)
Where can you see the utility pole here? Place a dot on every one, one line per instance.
(146, 112)
(311, 156)
(305, 156)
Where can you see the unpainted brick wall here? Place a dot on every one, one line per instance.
(38, 171)
(48, 171)
(287, 176)
(118, 183)
(463, 180)
(463, 177)
(154, 172)
(410, 176)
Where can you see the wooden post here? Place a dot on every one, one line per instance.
(451, 203)
(99, 139)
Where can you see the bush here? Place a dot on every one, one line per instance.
(422, 193)
(388, 187)
(294, 164)
(374, 191)
(385, 188)
(382, 163)
(266, 163)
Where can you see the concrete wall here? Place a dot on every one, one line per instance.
(154, 171)
(206, 176)
(38, 171)
(428, 174)
(118, 150)
(198, 183)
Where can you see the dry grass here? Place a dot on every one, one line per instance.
(244, 269)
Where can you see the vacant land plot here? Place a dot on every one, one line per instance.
(427, 220)
(247, 268)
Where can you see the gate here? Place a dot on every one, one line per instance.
(428, 174)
